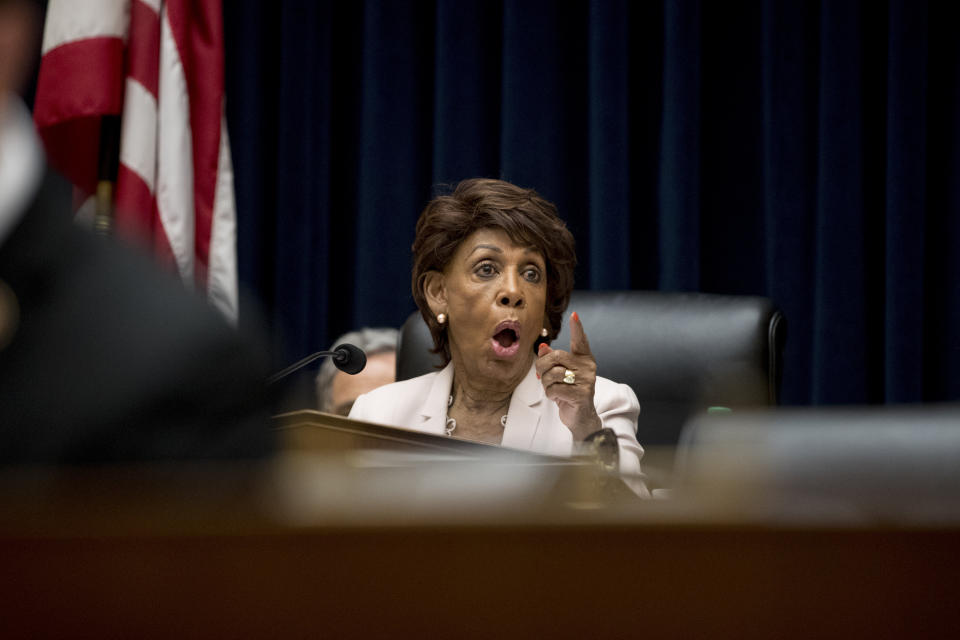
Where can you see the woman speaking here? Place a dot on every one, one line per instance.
(492, 276)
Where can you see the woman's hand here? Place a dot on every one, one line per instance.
(575, 400)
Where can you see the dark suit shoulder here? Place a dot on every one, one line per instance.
(114, 360)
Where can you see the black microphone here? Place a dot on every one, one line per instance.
(349, 358)
(346, 357)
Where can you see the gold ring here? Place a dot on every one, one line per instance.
(569, 377)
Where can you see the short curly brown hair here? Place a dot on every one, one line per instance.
(482, 203)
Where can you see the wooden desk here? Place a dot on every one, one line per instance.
(468, 542)
(262, 551)
(310, 430)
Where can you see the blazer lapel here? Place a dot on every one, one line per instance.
(433, 411)
(523, 416)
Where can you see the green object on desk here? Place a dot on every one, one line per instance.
(718, 410)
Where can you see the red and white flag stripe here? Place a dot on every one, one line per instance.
(159, 64)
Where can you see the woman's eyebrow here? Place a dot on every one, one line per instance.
(492, 247)
(533, 252)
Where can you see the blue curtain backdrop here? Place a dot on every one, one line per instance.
(809, 152)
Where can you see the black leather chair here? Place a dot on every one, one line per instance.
(680, 352)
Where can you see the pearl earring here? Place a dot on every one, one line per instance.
(441, 318)
(544, 332)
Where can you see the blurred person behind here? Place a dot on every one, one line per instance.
(337, 390)
(103, 358)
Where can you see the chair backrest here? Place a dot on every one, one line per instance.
(680, 352)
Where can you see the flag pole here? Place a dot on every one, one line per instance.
(108, 163)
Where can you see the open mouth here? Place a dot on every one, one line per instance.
(506, 340)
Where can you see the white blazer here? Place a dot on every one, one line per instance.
(533, 421)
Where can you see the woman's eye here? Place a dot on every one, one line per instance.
(532, 275)
(486, 269)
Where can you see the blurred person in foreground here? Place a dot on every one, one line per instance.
(492, 275)
(337, 390)
(102, 357)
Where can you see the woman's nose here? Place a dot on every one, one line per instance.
(511, 295)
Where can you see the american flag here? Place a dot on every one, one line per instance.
(158, 64)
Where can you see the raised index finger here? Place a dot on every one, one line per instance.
(579, 345)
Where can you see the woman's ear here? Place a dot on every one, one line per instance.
(435, 292)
